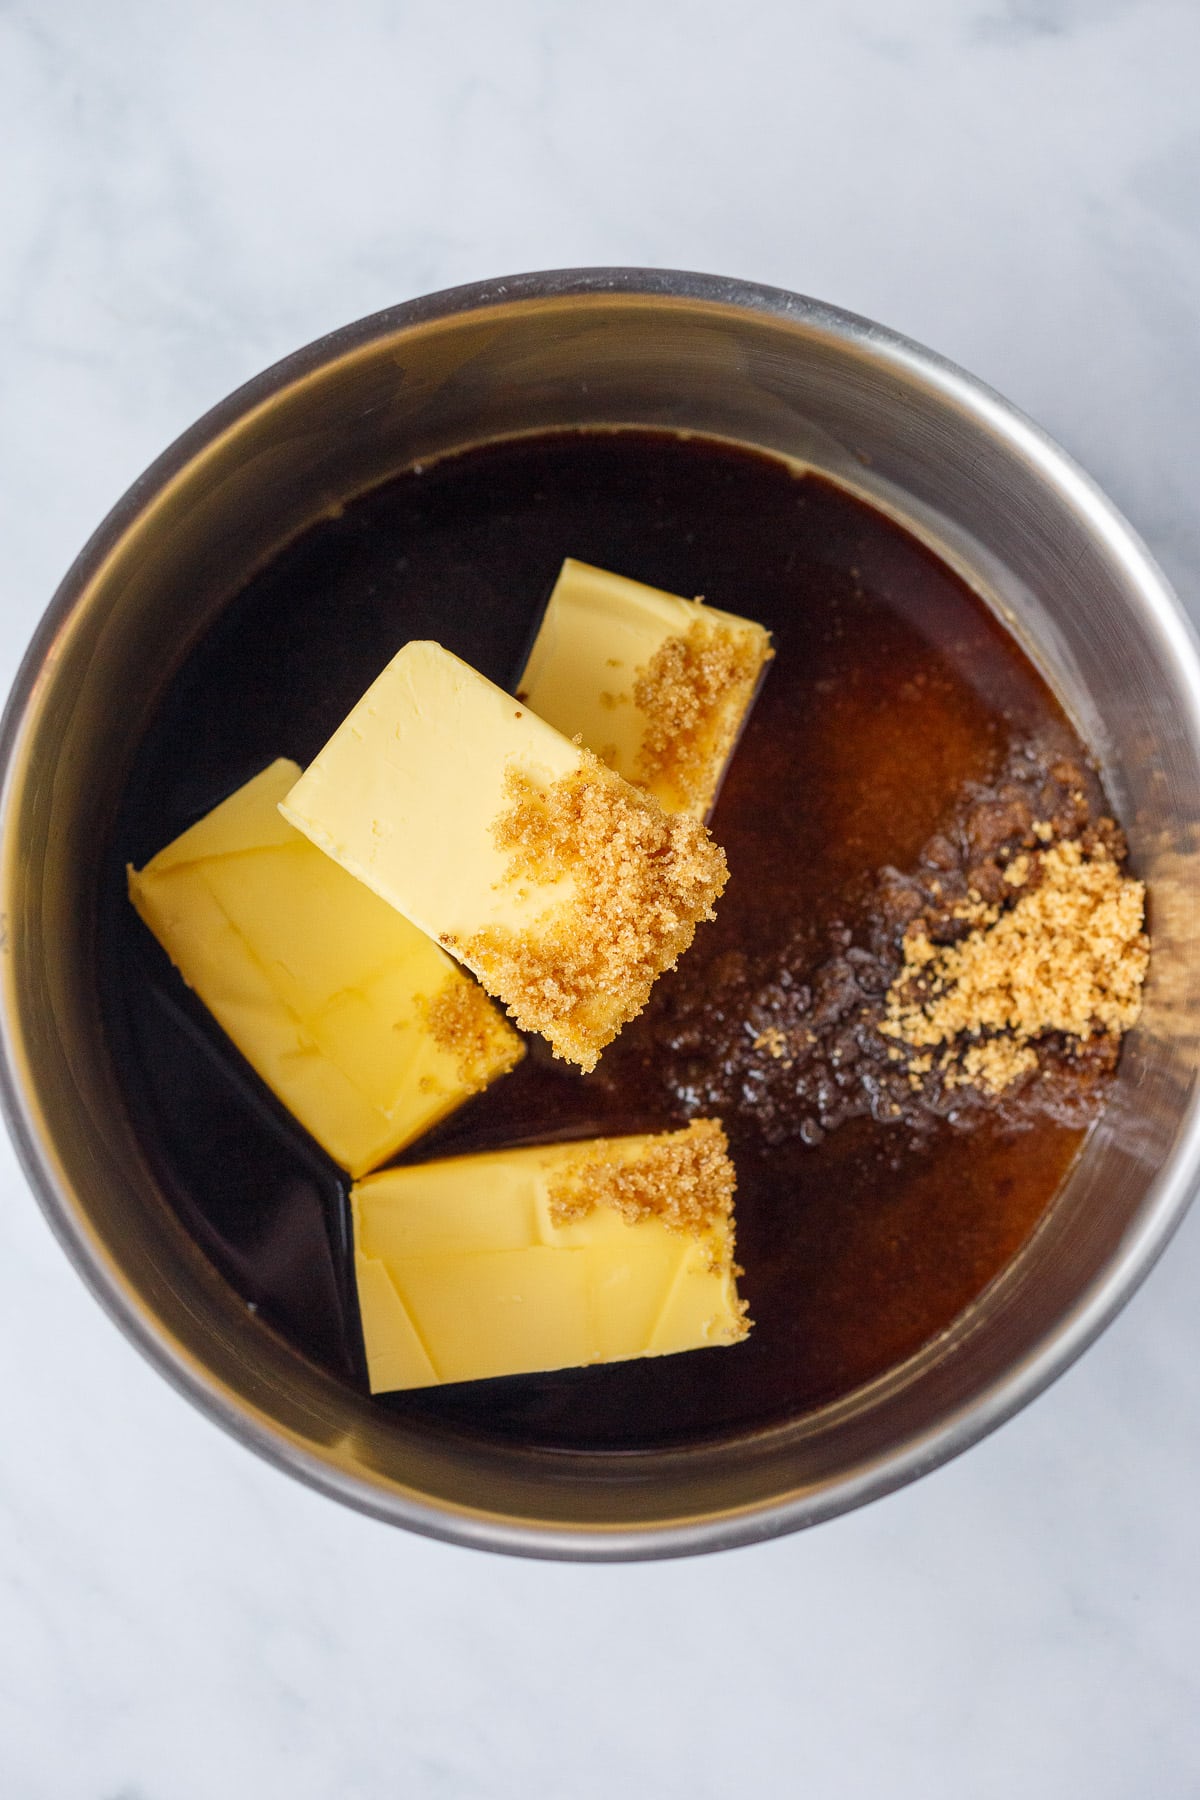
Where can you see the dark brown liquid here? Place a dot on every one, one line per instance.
(892, 688)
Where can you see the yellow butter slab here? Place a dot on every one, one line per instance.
(463, 1273)
(599, 633)
(407, 796)
(323, 988)
(406, 791)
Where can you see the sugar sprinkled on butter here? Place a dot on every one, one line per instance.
(564, 888)
(658, 686)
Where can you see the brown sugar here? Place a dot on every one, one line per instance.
(1067, 956)
(684, 1178)
(461, 1020)
(693, 694)
(641, 881)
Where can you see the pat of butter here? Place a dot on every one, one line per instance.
(363, 1028)
(566, 890)
(657, 686)
(467, 1268)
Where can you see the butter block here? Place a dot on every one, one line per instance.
(363, 1028)
(659, 687)
(566, 890)
(547, 1258)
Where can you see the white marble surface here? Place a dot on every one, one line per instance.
(185, 194)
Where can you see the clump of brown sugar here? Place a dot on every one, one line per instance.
(640, 882)
(1068, 955)
(773, 1041)
(685, 1178)
(462, 1021)
(693, 693)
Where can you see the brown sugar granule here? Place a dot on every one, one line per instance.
(685, 1178)
(693, 693)
(1068, 956)
(641, 880)
(461, 1021)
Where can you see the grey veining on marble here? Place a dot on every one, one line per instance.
(188, 193)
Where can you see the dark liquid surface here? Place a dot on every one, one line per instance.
(892, 687)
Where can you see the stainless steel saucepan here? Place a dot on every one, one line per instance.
(891, 421)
